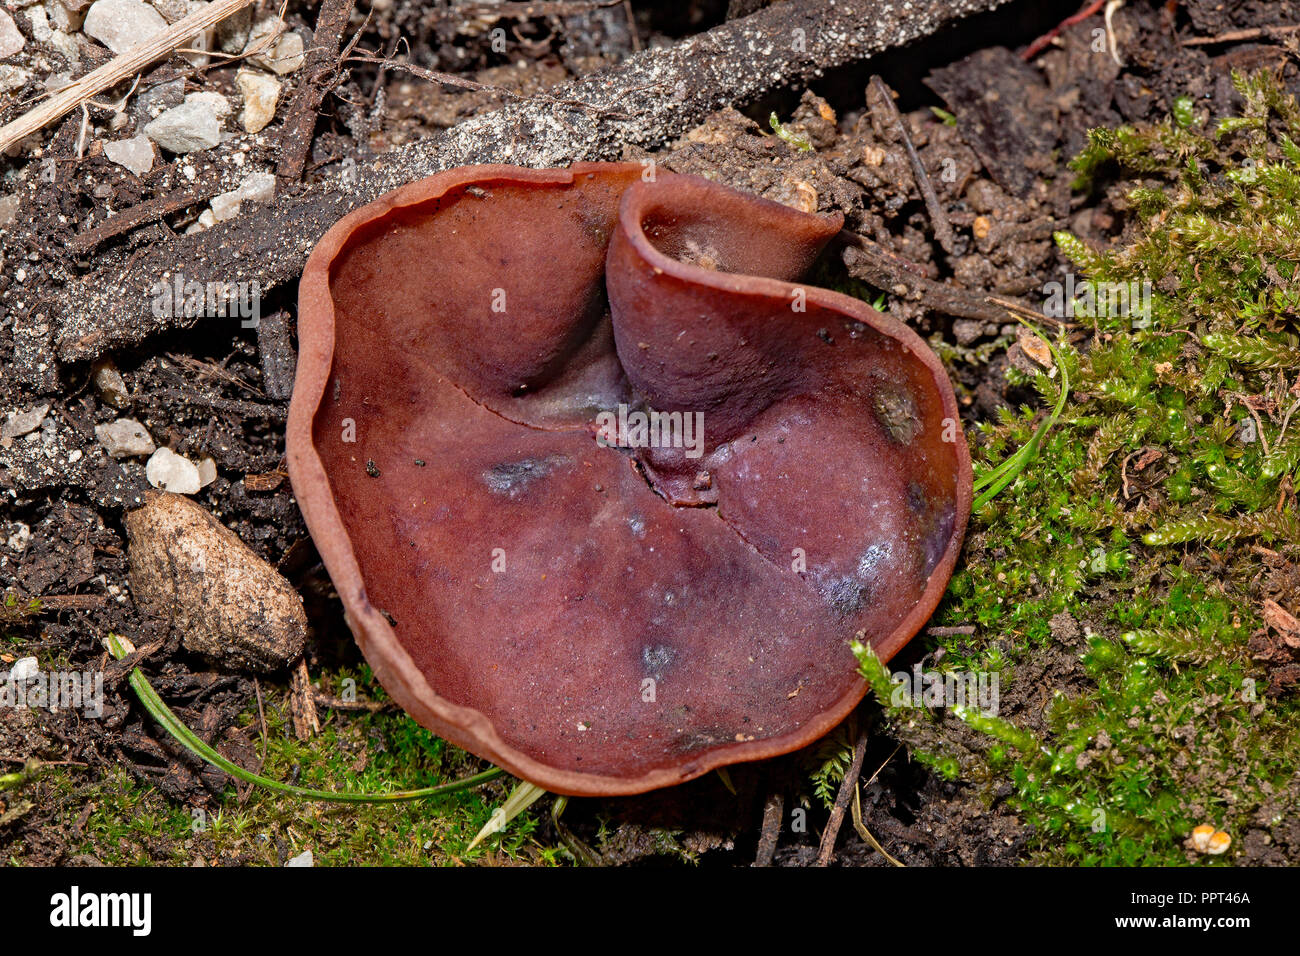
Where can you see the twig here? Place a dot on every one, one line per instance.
(117, 69)
(865, 833)
(261, 718)
(959, 630)
(450, 79)
(1237, 36)
(857, 811)
(660, 93)
(540, 8)
(773, 811)
(337, 703)
(889, 272)
(1043, 41)
(631, 26)
(71, 602)
(321, 59)
(848, 786)
(938, 218)
(141, 213)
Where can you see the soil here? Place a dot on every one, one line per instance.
(217, 389)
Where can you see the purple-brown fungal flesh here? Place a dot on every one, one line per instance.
(601, 619)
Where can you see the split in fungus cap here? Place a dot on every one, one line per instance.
(605, 492)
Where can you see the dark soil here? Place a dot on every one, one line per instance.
(221, 390)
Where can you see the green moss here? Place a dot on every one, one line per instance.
(130, 823)
(1176, 453)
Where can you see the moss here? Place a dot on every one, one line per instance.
(131, 823)
(1144, 516)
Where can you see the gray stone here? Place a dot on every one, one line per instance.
(125, 438)
(11, 40)
(136, 153)
(20, 423)
(194, 125)
(9, 208)
(121, 24)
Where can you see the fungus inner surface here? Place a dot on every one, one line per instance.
(619, 484)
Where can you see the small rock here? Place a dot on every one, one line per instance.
(66, 46)
(259, 187)
(20, 423)
(9, 208)
(17, 541)
(302, 859)
(207, 471)
(125, 438)
(172, 10)
(153, 100)
(40, 24)
(1036, 348)
(136, 153)
(218, 103)
(194, 125)
(109, 384)
(24, 669)
(121, 24)
(967, 331)
(11, 40)
(261, 92)
(170, 472)
(226, 206)
(283, 55)
(66, 17)
(232, 32)
(13, 78)
(225, 601)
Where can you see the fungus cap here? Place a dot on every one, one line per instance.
(600, 614)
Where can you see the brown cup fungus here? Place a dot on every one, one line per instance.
(605, 491)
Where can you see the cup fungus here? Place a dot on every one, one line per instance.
(605, 493)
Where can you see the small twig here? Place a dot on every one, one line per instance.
(631, 26)
(865, 833)
(938, 218)
(261, 717)
(141, 213)
(773, 811)
(857, 811)
(337, 703)
(891, 273)
(321, 60)
(450, 79)
(1237, 36)
(71, 602)
(959, 630)
(527, 11)
(1043, 41)
(117, 69)
(848, 786)
(234, 406)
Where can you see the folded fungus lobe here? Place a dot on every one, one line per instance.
(604, 490)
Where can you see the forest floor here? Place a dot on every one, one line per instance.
(1147, 684)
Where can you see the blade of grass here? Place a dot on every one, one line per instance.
(520, 799)
(1010, 469)
(193, 743)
